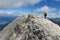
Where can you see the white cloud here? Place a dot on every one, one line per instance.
(5, 13)
(17, 3)
(49, 10)
(52, 15)
(59, 11)
(57, 0)
(45, 9)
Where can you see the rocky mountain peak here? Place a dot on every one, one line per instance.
(31, 27)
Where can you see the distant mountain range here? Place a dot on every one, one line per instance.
(5, 20)
(55, 20)
(3, 25)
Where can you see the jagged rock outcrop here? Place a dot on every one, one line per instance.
(31, 27)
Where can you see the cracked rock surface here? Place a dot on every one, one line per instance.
(31, 27)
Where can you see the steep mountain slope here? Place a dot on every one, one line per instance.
(31, 27)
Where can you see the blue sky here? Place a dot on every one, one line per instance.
(13, 7)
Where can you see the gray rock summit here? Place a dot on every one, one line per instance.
(31, 27)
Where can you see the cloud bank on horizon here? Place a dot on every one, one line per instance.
(17, 7)
(7, 4)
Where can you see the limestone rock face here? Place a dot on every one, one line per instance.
(31, 27)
